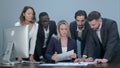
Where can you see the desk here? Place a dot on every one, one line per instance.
(26, 65)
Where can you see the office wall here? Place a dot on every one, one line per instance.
(58, 9)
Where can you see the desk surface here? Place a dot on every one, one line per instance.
(26, 65)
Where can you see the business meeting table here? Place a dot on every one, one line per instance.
(37, 65)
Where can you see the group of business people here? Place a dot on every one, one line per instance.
(98, 36)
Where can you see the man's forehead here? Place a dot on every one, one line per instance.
(44, 17)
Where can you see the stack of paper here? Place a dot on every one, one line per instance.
(64, 64)
(69, 64)
(65, 56)
(88, 62)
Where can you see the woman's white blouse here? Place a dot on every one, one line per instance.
(32, 36)
(64, 49)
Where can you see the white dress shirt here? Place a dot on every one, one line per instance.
(32, 37)
(80, 32)
(46, 36)
(64, 49)
(98, 32)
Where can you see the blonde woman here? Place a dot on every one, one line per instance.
(27, 17)
(61, 44)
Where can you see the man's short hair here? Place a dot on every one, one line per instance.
(94, 15)
(81, 13)
(43, 14)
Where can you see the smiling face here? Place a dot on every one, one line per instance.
(28, 15)
(63, 30)
(44, 20)
(80, 21)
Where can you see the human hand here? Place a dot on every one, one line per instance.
(31, 58)
(54, 57)
(84, 57)
(78, 60)
(19, 59)
(98, 60)
(73, 55)
(104, 60)
(101, 60)
(90, 59)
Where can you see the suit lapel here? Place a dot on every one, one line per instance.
(102, 32)
(42, 30)
(68, 45)
(50, 31)
(83, 35)
(95, 37)
(50, 28)
(59, 46)
(75, 26)
(86, 26)
(76, 32)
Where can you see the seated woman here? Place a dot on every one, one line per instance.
(60, 44)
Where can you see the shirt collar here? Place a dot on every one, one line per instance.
(80, 29)
(99, 26)
(45, 29)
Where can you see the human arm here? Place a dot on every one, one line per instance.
(112, 40)
(50, 50)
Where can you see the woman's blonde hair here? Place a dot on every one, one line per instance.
(58, 28)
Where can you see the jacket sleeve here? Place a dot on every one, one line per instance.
(89, 45)
(53, 24)
(74, 46)
(38, 46)
(72, 30)
(55, 28)
(50, 49)
(113, 36)
(33, 39)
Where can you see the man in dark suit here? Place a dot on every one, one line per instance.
(46, 29)
(79, 29)
(102, 40)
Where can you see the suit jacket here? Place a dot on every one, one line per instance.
(109, 40)
(41, 38)
(74, 34)
(55, 46)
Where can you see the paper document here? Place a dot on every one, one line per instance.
(64, 64)
(88, 62)
(65, 56)
(18, 62)
(70, 64)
